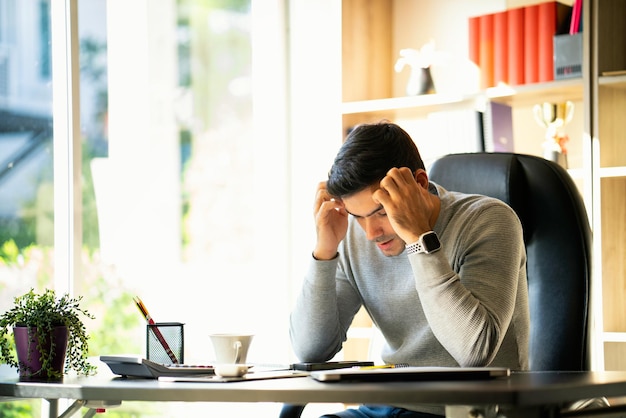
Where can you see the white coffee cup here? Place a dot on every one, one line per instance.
(231, 348)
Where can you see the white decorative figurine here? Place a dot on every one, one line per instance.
(420, 80)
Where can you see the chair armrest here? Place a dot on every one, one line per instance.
(291, 411)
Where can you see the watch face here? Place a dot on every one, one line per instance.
(431, 242)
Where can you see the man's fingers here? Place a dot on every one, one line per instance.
(327, 206)
(321, 196)
(400, 176)
(389, 184)
(382, 197)
(396, 180)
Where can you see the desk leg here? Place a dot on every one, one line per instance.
(90, 413)
(462, 411)
(53, 408)
(93, 406)
(75, 407)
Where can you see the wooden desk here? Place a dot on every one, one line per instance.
(532, 394)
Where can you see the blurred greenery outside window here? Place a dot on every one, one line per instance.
(213, 108)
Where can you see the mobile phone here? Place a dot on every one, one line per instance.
(330, 365)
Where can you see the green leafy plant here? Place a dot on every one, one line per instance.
(45, 312)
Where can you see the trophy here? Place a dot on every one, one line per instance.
(553, 117)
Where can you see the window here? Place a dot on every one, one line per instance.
(182, 201)
(180, 184)
(26, 170)
(45, 67)
(26, 164)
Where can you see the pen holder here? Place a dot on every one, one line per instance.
(165, 342)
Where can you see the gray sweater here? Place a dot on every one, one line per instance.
(466, 305)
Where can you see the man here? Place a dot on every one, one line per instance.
(442, 274)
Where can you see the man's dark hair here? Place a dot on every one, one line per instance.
(369, 152)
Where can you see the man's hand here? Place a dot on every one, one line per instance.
(331, 223)
(407, 202)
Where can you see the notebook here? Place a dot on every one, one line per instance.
(410, 374)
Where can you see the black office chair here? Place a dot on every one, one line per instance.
(558, 246)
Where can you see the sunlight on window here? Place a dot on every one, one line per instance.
(170, 169)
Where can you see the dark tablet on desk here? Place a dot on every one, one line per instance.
(410, 374)
(136, 366)
(330, 365)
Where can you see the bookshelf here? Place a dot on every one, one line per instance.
(373, 31)
(608, 104)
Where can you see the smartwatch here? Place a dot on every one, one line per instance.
(427, 243)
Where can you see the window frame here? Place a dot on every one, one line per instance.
(66, 143)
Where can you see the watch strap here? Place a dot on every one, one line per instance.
(421, 246)
(416, 247)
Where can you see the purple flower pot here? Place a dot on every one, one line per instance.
(29, 357)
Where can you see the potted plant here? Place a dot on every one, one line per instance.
(50, 338)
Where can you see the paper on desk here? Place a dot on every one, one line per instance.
(260, 375)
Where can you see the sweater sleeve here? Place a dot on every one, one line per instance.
(469, 304)
(318, 325)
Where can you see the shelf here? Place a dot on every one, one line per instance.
(613, 172)
(425, 102)
(618, 80)
(528, 94)
(560, 90)
(614, 337)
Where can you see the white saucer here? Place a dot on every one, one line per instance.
(231, 370)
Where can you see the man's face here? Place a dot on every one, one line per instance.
(373, 219)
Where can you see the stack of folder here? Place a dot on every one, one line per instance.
(516, 46)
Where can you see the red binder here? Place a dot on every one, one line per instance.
(551, 16)
(515, 38)
(486, 51)
(500, 48)
(531, 44)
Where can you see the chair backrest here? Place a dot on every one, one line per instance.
(558, 245)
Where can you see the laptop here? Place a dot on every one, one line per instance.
(400, 374)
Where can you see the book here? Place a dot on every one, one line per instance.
(551, 17)
(498, 127)
(457, 131)
(575, 21)
(500, 48)
(485, 49)
(531, 44)
(515, 40)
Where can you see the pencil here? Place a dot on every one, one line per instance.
(155, 329)
(384, 366)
